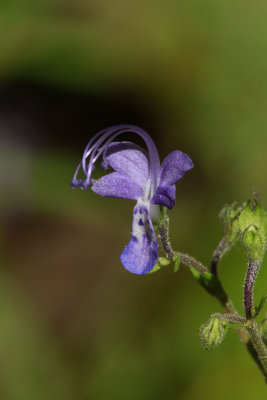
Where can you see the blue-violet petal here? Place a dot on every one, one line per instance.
(174, 166)
(165, 196)
(141, 253)
(129, 159)
(117, 185)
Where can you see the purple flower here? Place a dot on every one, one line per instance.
(137, 176)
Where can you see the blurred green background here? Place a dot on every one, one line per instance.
(74, 325)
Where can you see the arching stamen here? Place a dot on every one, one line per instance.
(92, 150)
(101, 142)
(103, 150)
(95, 156)
(88, 150)
(154, 162)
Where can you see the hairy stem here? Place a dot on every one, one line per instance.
(191, 262)
(251, 339)
(252, 272)
(167, 247)
(218, 253)
(258, 345)
(164, 235)
(250, 335)
(232, 318)
(253, 329)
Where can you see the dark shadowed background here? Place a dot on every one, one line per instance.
(74, 325)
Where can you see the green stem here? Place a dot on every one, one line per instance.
(191, 261)
(251, 275)
(249, 336)
(258, 345)
(167, 247)
(218, 253)
(231, 318)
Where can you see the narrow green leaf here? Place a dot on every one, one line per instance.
(261, 305)
(210, 283)
(162, 262)
(176, 261)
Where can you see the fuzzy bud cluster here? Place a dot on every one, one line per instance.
(253, 230)
(229, 218)
(212, 333)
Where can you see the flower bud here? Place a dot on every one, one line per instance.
(253, 244)
(253, 227)
(212, 333)
(229, 218)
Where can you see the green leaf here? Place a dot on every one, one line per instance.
(162, 262)
(155, 269)
(263, 330)
(260, 306)
(176, 261)
(210, 283)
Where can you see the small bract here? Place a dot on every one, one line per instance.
(138, 176)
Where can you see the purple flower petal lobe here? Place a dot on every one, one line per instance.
(165, 196)
(141, 254)
(174, 166)
(117, 185)
(128, 159)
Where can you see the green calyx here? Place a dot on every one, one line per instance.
(213, 332)
(253, 229)
(253, 244)
(229, 218)
(165, 262)
(162, 262)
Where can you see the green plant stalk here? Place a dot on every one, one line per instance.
(250, 335)
(218, 253)
(251, 275)
(258, 344)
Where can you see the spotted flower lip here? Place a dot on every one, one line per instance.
(137, 175)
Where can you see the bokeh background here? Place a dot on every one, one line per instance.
(74, 325)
